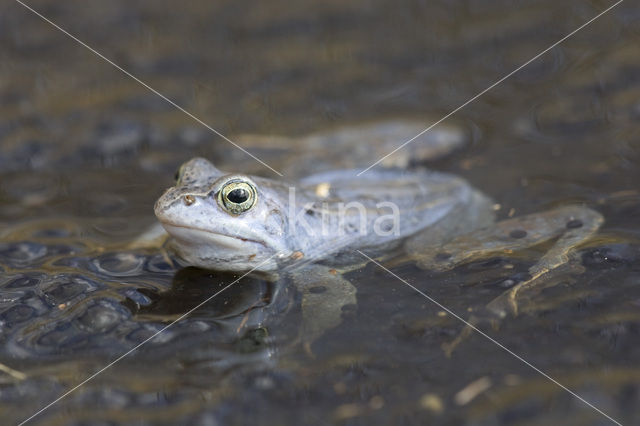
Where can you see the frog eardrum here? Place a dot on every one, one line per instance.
(237, 196)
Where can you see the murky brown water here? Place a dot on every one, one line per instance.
(85, 151)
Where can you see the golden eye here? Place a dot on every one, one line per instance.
(237, 196)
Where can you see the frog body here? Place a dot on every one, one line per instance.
(312, 229)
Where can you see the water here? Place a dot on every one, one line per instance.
(85, 151)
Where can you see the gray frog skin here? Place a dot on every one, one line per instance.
(206, 234)
(240, 223)
(285, 221)
(302, 232)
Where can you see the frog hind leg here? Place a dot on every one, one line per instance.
(580, 224)
(324, 293)
(477, 213)
(571, 225)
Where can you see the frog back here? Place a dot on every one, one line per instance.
(375, 210)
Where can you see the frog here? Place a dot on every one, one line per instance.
(310, 231)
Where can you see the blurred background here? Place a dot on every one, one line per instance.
(85, 151)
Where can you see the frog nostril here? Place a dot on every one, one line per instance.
(189, 199)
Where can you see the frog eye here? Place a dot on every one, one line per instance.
(237, 196)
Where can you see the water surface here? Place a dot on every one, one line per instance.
(85, 151)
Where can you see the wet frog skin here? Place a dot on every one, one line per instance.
(311, 219)
(298, 230)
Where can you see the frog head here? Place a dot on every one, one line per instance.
(224, 221)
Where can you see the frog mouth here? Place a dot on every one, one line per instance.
(191, 234)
